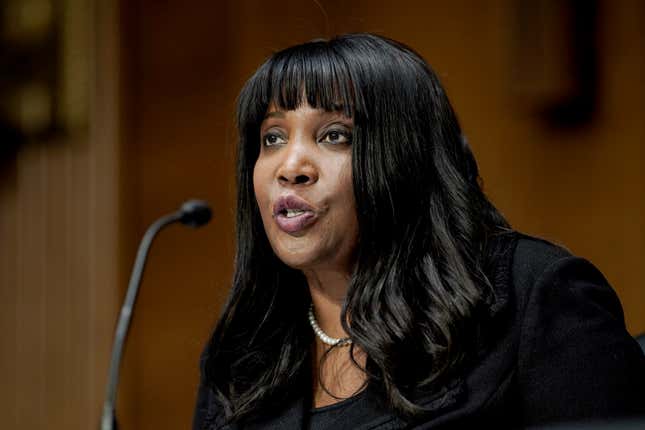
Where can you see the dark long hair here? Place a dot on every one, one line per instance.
(419, 281)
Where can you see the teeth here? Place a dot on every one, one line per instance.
(294, 212)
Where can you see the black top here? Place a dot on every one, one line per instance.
(554, 348)
(355, 408)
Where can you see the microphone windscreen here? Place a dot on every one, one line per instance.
(195, 213)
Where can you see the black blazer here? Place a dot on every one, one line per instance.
(553, 348)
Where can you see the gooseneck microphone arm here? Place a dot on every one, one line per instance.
(194, 213)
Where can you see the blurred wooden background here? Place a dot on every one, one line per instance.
(161, 80)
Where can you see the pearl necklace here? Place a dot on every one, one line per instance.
(332, 341)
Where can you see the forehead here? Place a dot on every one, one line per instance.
(304, 112)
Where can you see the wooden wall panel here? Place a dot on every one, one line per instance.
(59, 240)
(8, 296)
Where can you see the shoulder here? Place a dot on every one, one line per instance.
(561, 292)
(536, 260)
(519, 263)
(546, 274)
(532, 256)
(575, 357)
(538, 265)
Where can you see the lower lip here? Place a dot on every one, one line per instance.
(297, 223)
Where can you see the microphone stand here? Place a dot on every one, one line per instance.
(194, 213)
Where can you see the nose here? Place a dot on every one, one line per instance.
(298, 166)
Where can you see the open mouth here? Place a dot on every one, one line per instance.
(293, 214)
(290, 213)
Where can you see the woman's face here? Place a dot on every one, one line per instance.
(303, 185)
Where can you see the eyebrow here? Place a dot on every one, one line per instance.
(274, 114)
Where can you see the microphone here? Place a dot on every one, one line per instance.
(193, 213)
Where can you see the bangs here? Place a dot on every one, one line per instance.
(312, 73)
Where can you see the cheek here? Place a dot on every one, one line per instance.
(345, 185)
(260, 186)
(345, 192)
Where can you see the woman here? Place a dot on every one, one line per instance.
(376, 286)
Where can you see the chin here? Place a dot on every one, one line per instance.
(297, 258)
(309, 251)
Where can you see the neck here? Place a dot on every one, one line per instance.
(328, 290)
(337, 372)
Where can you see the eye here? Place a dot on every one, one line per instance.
(337, 137)
(272, 139)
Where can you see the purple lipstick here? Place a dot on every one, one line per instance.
(293, 214)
